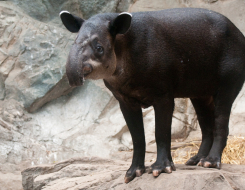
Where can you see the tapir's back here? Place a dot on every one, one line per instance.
(192, 49)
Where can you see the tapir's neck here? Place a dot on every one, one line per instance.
(123, 60)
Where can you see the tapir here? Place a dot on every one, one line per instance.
(148, 59)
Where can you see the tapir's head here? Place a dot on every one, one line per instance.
(92, 55)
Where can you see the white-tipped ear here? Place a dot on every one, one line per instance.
(64, 12)
(121, 24)
(126, 13)
(71, 22)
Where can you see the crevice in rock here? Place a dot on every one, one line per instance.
(210, 1)
(231, 182)
(5, 125)
(60, 89)
(111, 103)
(120, 133)
(117, 5)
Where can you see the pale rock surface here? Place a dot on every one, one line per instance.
(96, 173)
(10, 181)
(33, 55)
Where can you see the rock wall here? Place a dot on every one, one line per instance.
(42, 119)
(32, 56)
(47, 11)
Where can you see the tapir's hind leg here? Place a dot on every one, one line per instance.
(223, 101)
(204, 108)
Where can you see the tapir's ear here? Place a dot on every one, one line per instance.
(71, 22)
(121, 24)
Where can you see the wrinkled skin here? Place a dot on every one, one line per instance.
(155, 57)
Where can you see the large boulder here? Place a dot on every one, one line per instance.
(95, 173)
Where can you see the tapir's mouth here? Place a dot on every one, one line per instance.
(86, 70)
(76, 79)
(82, 80)
(75, 83)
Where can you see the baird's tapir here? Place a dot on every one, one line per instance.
(150, 58)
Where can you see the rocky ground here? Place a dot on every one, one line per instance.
(11, 181)
(95, 173)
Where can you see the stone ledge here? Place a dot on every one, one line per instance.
(97, 173)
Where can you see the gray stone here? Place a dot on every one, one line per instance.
(48, 10)
(60, 89)
(95, 173)
(10, 181)
(33, 56)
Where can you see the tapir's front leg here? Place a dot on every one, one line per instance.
(134, 120)
(163, 119)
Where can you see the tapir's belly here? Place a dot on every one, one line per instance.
(197, 84)
(194, 89)
(146, 96)
(189, 83)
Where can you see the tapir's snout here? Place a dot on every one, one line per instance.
(76, 76)
(75, 70)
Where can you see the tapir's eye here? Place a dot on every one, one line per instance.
(100, 50)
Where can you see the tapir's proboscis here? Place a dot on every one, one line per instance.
(150, 58)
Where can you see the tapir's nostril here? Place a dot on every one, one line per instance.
(87, 69)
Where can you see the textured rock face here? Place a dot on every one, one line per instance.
(94, 173)
(34, 60)
(10, 181)
(47, 11)
(33, 55)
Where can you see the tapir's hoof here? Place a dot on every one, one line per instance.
(156, 173)
(210, 163)
(139, 172)
(201, 162)
(128, 179)
(194, 160)
(173, 166)
(132, 173)
(157, 169)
